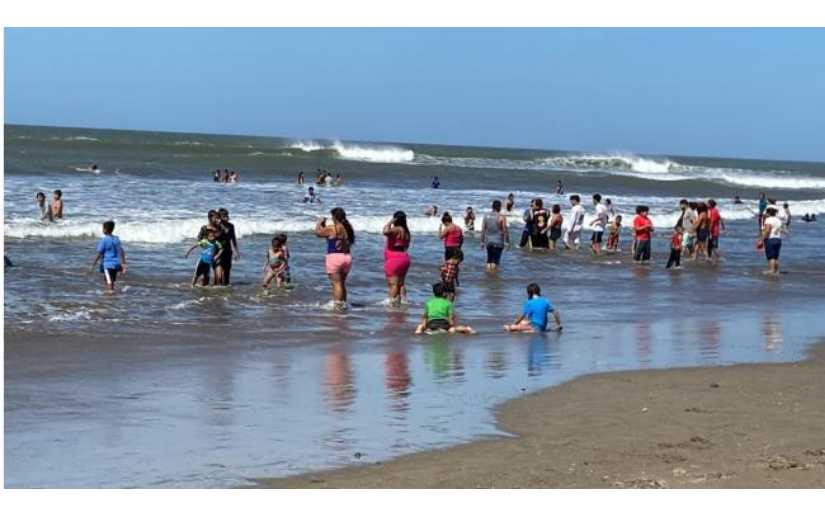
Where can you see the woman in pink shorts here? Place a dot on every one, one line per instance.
(340, 236)
(396, 259)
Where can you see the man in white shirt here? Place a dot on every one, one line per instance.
(772, 227)
(574, 230)
(598, 224)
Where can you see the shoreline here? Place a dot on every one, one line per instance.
(737, 426)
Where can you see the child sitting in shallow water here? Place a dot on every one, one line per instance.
(439, 314)
(534, 315)
(276, 265)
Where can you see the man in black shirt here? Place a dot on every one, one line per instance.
(229, 241)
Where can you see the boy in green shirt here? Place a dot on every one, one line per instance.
(439, 314)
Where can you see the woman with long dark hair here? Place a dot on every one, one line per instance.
(396, 259)
(339, 236)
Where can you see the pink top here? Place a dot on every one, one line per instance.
(397, 244)
(453, 237)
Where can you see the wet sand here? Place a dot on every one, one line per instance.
(742, 426)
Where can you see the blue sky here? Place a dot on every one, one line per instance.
(718, 92)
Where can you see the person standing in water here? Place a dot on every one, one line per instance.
(716, 225)
(216, 177)
(494, 236)
(541, 219)
(45, 209)
(527, 217)
(436, 183)
(230, 243)
(573, 236)
(301, 177)
(511, 201)
(470, 219)
(643, 230)
(763, 204)
(396, 258)
(772, 239)
(451, 234)
(559, 187)
(111, 256)
(57, 205)
(340, 237)
(598, 224)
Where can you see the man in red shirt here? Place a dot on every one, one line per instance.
(716, 227)
(643, 228)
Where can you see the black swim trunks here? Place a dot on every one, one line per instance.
(596, 237)
(438, 324)
(494, 253)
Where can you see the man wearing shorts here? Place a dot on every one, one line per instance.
(642, 227)
(494, 236)
(598, 224)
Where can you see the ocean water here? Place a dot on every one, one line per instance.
(164, 385)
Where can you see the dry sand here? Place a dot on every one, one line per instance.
(756, 426)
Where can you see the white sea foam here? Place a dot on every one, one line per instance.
(358, 152)
(81, 139)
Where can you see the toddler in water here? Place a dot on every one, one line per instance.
(111, 256)
(675, 248)
(534, 315)
(449, 269)
(211, 250)
(439, 314)
(277, 263)
(613, 231)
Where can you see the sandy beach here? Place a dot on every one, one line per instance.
(742, 426)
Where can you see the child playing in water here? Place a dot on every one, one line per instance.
(276, 265)
(613, 231)
(449, 269)
(211, 251)
(440, 315)
(534, 315)
(675, 248)
(111, 256)
(470, 219)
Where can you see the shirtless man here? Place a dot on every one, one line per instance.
(57, 205)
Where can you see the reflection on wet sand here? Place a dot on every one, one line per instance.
(444, 359)
(772, 331)
(708, 334)
(339, 385)
(397, 378)
(643, 340)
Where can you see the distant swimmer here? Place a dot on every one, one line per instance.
(45, 209)
(216, 177)
(559, 187)
(339, 179)
(301, 177)
(7, 262)
(436, 183)
(111, 256)
(57, 204)
(432, 211)
(310, 197)
(329, 180)
(508, 205)
(470, 219)
(737, 200)
(809, 217)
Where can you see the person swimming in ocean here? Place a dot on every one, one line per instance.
(216, 177)
(45, 209)
(737, 200)
(432, 211)
(559, 187)
(310, 197)
(301, 177)
(436, 183)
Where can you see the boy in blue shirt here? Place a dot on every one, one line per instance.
(211, 250)
(534, 316)
(111, 256)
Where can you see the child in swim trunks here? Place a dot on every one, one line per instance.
(534, 315)
(439, 314)
(211, 250)
(675, 248)
(111, 256)
(613, 231)
(277, 263)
